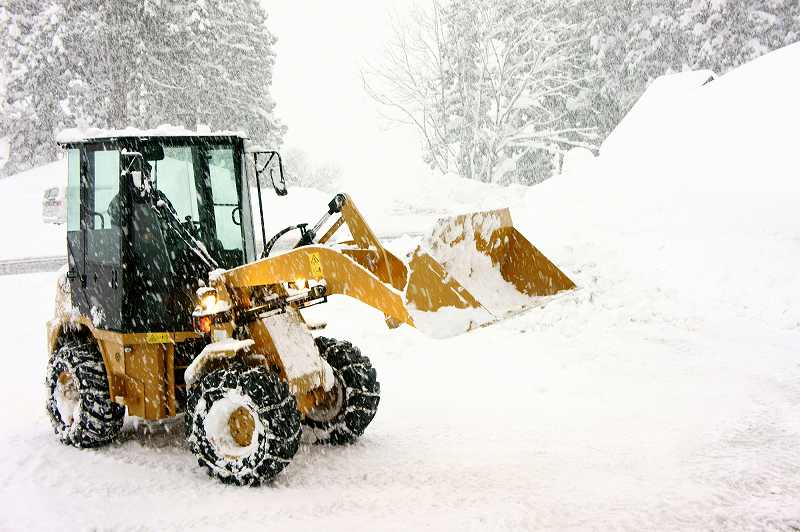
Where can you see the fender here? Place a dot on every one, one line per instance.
(227, 348)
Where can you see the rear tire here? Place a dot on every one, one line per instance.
(242, 424)
(78, 402)
(352, 402)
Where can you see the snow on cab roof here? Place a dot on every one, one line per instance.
(93, 133)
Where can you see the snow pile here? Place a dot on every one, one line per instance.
(656, 108)
(409, 204)
(577, 160)
(24, 232)
(449, 321)
(702, 202)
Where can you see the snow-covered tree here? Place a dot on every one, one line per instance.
(108, 63)
(36, 67)
(411, 82)
(238, 71)
(633, 42)
(533, 76)
(488, 84)
(729, 33)
(189, 61)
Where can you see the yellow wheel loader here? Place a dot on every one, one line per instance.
(168, 308)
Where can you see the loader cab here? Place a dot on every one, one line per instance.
(147, 219)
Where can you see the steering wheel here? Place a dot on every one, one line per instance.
(305, 238)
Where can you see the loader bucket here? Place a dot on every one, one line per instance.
(479, 261)
(469, 271)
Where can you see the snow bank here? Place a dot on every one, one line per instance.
(699, 199)
(655, 107)
(577, 160)
(24, 233)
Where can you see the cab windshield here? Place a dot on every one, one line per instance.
(201, 182)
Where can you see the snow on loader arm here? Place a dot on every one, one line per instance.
(471, 270)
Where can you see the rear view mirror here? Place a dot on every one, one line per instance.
(268, 163)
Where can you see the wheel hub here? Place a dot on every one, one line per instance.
(67, 396)
(242, 425)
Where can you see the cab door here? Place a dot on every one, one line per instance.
(103, 221)
(76, 183)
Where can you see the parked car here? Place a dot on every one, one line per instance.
(54, 205)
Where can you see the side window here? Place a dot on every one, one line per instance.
(73, 190)
(227, 215)
(104, 214)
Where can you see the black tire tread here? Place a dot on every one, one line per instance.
(277, 411)
(361, 393)
(100, 419)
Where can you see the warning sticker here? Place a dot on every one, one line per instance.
(157, 338)
(316, 265)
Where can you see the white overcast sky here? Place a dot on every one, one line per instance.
(322, 47)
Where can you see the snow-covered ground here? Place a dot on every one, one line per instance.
(663, 394)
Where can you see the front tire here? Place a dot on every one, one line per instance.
(352, 402)
(78, 402)
(242, 424)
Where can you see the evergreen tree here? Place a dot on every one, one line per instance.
(633, 42)
(236, 72)
(731, 33)
(36, 69)
(111, 64)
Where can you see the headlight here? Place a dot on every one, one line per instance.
(203, 324)
(210, 310)
(208, 302)
(208, 298)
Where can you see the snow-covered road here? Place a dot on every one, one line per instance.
(578, 415)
